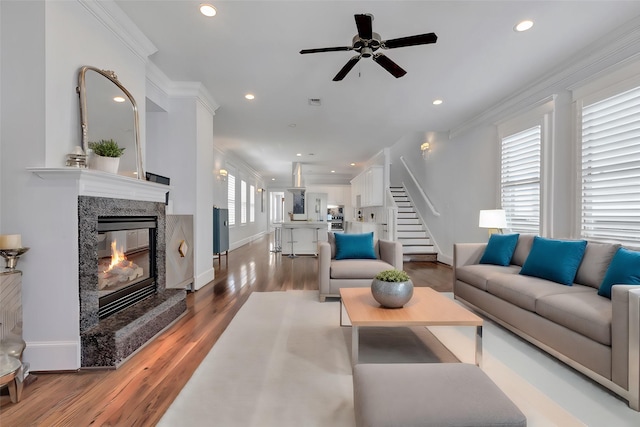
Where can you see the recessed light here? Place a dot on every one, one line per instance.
(119, 99)
(523, 26)
(333, 171)
(292, 125)
(250, 96)
(352, 164)
(437, 101)
(207, 10)
(273, 179)
(299, 154)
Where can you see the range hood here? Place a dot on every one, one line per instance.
(297, 182)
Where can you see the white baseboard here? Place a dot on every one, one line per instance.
(246, 240)
(203, 278)
(53, 355)
(445, 259)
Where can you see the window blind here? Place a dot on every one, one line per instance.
(610, 193)
(231, 198)
(520, 180)
(243, 202)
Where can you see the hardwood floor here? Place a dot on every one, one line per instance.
(139, 392)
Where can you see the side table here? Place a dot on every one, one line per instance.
(12, 375)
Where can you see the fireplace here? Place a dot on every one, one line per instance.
(126, 262)
(124, 306)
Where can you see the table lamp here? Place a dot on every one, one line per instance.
(493, 219)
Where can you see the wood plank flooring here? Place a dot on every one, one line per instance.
(139, 392)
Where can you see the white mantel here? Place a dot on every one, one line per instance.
(102, 184)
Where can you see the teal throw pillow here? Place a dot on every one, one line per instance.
(623, 270)
(500, 249)
(555, 260)
(355, 246)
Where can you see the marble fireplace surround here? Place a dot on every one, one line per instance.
(108, 342)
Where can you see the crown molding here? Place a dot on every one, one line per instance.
(618, 47)
(163, 86)
(115, 20)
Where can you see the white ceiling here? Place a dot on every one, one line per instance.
(252, 46)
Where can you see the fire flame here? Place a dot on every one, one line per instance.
(117, 257)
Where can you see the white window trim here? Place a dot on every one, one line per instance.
(541, 114)
(615, 80)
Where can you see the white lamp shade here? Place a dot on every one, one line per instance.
(492, 218)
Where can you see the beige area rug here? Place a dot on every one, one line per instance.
(285, 361)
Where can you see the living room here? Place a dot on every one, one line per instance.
(45, 43)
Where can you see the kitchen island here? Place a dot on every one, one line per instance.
(301, 237)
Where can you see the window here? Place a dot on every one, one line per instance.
(243, 202)
(610, 159)
(231, 198)
(520, 180)
(252, 203)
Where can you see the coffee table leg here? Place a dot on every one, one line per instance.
(479, 345)
(354, 345)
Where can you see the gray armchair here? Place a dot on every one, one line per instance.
(353, 273)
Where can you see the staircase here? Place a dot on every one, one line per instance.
(416, 243)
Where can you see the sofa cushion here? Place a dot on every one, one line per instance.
(597, 257)
(357, 268)
(623, 270)
(586, 313)
(556, 260)
(355, 246)
(522, 250)
(478, 274)
(524, 291)
(499, 249)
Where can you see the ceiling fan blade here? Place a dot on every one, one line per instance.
(363, 22)
(347, 67)
(410, 41)
(389, 65)
(326, 49)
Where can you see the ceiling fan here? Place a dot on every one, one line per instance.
(366, 43)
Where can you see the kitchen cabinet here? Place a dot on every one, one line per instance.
(367, 189)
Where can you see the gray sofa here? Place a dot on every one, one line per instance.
(353, 273)
(595, 335)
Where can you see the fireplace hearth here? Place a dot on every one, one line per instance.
(124, 306)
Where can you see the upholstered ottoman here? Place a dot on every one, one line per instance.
(430, 394)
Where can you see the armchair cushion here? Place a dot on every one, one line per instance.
(355, 246)
(357, 268)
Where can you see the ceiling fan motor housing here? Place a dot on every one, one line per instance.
(366, 47)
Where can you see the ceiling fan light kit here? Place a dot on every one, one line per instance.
(366, 43)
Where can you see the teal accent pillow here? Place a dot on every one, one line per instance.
(500, 249)
(555, 260)
(355, 246)
(623, 270)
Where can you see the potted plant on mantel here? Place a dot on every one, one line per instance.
(106, 155)
(392, 288)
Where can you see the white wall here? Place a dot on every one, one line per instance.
(44, 44)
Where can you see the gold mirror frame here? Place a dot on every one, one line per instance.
(84, 114)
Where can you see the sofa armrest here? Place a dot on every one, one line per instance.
(467, 253)
(324, 268)
(625, 345)
(391, 252)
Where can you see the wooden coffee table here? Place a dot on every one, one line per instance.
(426, 308)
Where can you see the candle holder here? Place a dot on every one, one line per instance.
(11, 256)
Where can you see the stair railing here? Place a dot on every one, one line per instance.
(426, 198)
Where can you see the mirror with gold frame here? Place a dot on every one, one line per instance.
(108, 111)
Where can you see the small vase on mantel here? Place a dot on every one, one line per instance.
(105, 164)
